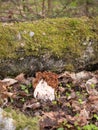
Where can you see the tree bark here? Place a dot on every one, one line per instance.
(43, 8)
(49, 7)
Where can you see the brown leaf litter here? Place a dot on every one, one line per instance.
(75, 104)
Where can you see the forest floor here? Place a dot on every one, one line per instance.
(75, 105)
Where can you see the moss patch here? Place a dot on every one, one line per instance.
(22, 121)
(59, 37)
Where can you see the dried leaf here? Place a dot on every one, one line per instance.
(33, 106)
(80, 119)
(21, 78)
(3, 97)
(92, 81)
(93, 98)
(9, 81)
(52, 119)
(2, 86)
(90, 86)
(84, 75)
(9, 94)
(76, 106)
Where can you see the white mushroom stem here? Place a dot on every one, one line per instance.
(44, 92)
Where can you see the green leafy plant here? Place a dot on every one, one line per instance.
(23, 100)
(26, 91)
(95, 116)
(54, 102)
(67, 94)
(11, 100)
(30, 85)
(60, 85)
(60, 128)
(90, 127)
(92, 85)
(68, 85)
(24, 88)
(78, 93)
(80, 100)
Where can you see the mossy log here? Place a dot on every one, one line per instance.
(52, 44)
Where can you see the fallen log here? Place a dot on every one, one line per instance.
(54, 44)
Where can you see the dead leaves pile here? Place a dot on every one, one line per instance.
(4, 94)
(76, 103)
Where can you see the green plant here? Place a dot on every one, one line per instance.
(23, 100)
(30, 85)
(60, 128)
(68, 85)
(54, 102)
(26, 91)
(21, 121)
(11, 99)
(90, 127)
(92, 85)
(68, 126)
(67, 94)
(60, 85)
(78, 93)
(24, 88)
(80, 100)
(95, 116)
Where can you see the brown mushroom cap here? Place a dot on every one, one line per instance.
(49, 77)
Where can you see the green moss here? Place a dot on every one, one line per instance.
(22, 121)
(69, 67)
(59, 37)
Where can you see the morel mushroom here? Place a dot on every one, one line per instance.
(45, 85)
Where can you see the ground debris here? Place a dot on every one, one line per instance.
(73, 104)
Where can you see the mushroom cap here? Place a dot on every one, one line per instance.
(50, 77)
